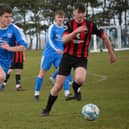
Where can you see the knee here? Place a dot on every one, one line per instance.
(42, 74)
(80, 75)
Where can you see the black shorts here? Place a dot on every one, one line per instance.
(18, 65)
(17, 61)
(68, 62)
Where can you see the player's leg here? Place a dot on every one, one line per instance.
(68, 78)
(18, 68)
(64, 70)
(44, 67)
(80, 75)
(2, 77)
(18, 79)
(53, 94)
(67, 84)
(79, 66)
(53, 76)
(38, 83)
(56, 63)
(7, 78)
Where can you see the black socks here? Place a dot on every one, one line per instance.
(51, 101)
(7, 77)
(76, 87)
(18, 78)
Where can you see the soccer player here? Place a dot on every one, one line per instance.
(76, 38)
(53, 51)
(9, 33)
(17, 64)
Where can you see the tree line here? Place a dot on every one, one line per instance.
(37, 15)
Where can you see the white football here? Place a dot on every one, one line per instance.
(90, 112)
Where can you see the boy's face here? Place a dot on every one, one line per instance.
(5, 20)
(79, 16)
(59, 20)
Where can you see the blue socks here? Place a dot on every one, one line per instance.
(67, 84)
(38, 83)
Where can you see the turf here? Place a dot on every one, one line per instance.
(107, 86)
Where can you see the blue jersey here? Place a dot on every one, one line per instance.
(53, 42)
(54, 39)
(9, 35)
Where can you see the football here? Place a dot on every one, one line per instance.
(90, 112)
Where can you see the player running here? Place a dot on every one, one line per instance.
(9, 33)
(76, 37)
(17, 65)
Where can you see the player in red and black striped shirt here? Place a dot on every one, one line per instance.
(76, 38)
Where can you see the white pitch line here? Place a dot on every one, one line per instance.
(102, 77)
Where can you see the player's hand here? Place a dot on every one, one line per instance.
(81, 28)
(112, 58)
(59, 51)
(5, 46)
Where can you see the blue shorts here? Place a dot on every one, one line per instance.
(4, 66)
(48, 60)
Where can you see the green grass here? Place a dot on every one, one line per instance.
(106, 86)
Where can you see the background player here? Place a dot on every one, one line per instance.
(53, 51)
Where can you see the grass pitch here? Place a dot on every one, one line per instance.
(107, 86)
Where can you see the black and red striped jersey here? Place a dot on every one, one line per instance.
(78, 46)
(17, 56)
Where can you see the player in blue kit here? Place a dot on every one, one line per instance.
(53, 51)
(9, 33)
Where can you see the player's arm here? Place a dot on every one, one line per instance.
(12, 49)
(50, 39)
(109, 47)
(67, 37)
(101, 34)
(20, 39)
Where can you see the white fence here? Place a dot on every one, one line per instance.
(119, 40)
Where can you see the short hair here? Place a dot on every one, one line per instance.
(4, 8)
(79, 6)
(59, 12)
